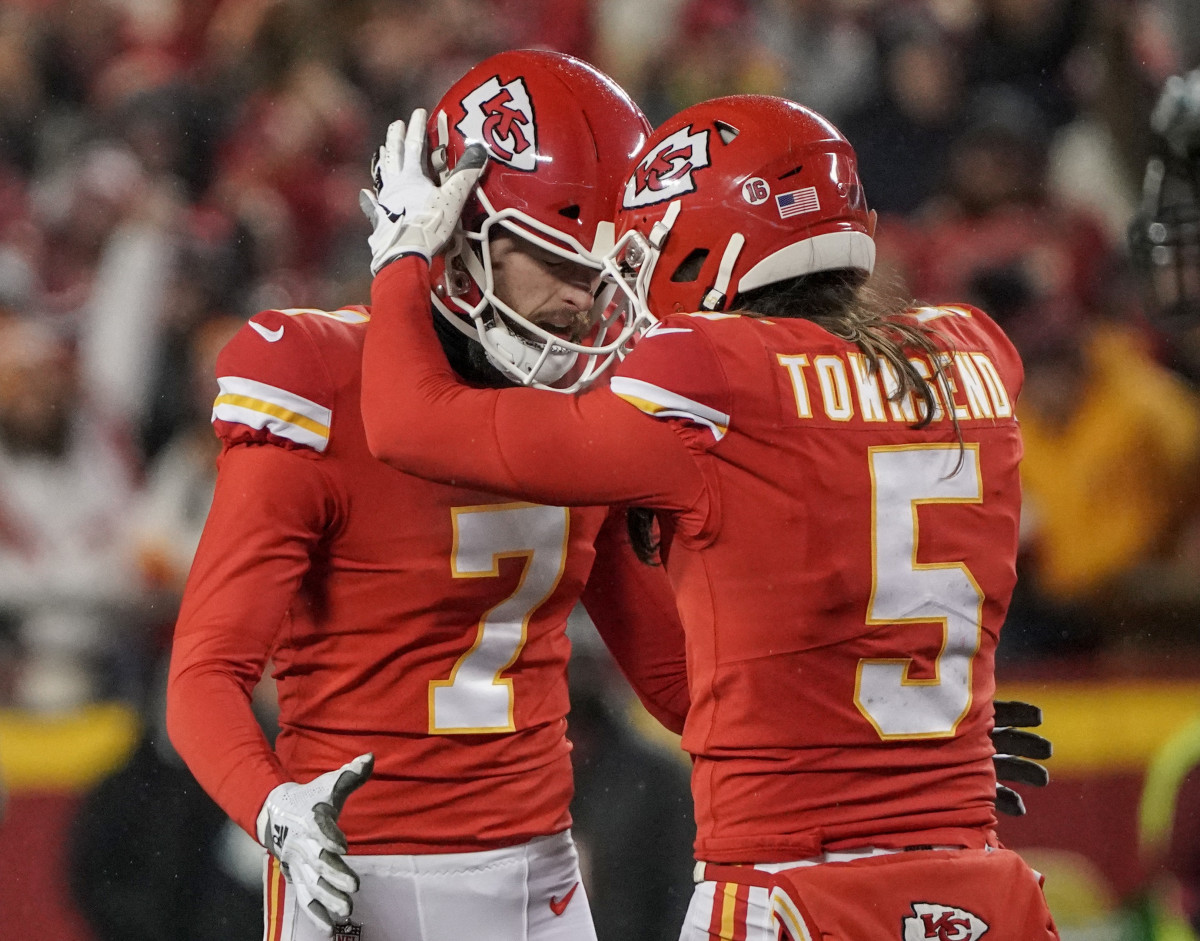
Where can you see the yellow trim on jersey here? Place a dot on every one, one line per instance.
(658, 402)
(282, 413)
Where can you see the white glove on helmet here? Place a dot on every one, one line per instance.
(411, 214)
(298, 824)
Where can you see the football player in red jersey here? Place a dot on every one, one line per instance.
(833, 476)
(421, 776)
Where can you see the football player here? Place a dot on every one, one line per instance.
(420, 783)
(1164, 236)
(1164, 239)
(833, 480)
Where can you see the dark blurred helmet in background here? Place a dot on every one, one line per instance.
(1164, 236)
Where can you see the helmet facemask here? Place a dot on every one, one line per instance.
(524, 352)
(630, 265)
(1165, 243)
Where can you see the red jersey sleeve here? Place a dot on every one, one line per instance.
(269, 509)
(674, 373)
(531, 444)
(633, 607)
(273, 499)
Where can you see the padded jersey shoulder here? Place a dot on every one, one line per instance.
(284, 374)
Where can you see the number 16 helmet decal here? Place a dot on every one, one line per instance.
(559, 135)
(734, 194)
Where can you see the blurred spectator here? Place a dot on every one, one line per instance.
(1164, 236)
(208, 271)
(563, 25)
(714, 51)
(1024, 45)
(152, 857)
(631, 36)
(1112, 455)
(903, 134)
(277, 170)
(1164, 240)
(1097, 158)
(827, 55)
(995, 237)
(22, 92)
(172, 507)
(121, 321)
(66, 483)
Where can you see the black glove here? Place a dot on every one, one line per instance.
(1018, 753)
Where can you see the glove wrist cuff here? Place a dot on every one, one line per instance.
(261, 823)
(399, 252)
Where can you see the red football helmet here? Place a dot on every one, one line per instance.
(733, 194)
(559, 135)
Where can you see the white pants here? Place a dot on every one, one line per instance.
(531, 892)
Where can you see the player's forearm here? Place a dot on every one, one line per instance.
(634, 611)
(524, 443)
(212, 726)
(416, 414)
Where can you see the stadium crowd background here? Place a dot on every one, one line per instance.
(168, 168)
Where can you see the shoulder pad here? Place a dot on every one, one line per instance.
(280, 375)
(673, 372)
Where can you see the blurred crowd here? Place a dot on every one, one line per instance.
(168, 168)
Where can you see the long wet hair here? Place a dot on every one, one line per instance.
(862, 310)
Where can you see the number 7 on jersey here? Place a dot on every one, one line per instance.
(476, 698)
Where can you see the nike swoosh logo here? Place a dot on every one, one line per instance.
(558, 906)
(271, 336)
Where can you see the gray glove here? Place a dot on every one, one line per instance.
(298, 824)
(1018, 753)
(411, 214)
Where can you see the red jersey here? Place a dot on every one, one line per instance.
(842, 576)
(424, 623)
(843, 598)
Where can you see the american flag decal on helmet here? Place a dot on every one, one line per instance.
(797, 202)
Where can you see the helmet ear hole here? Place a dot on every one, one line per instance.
(688, 270)
(570, 212)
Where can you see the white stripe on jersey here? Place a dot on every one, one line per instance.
(662, 403)
(276, 410)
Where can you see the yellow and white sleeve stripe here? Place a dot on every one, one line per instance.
(278, 411)
(662, 403)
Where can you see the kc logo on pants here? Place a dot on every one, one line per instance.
(933, 922)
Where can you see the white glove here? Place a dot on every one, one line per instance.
(298, 824)
(411, 214)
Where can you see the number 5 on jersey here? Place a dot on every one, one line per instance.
(476, 698)
(905, 591)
